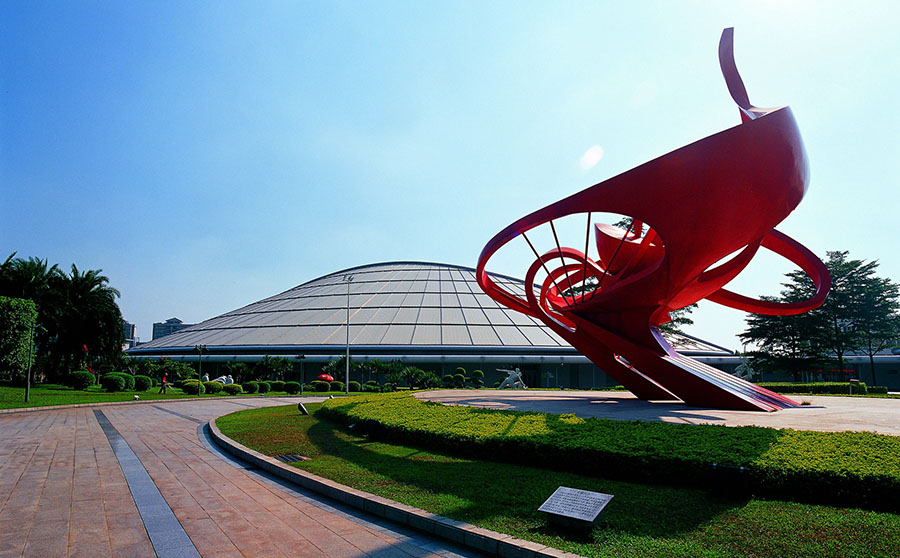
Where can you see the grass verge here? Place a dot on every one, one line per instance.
(845, 468)
(51, 394)
(642, 519)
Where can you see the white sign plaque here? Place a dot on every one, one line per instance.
(573, 503)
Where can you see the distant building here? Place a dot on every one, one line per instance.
(170, 326)
(128, 330)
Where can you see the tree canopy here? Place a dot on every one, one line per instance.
(79, 321)
(860, 316)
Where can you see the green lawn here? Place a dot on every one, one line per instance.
(51, 394)
(642, 520)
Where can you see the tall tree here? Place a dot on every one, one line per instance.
(75, 310)
(845, 303)
(859, 315)
(86, 316)
(877, 323)
(786, 342)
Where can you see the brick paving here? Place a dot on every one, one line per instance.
(63, 492)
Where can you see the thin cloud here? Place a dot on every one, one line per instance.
(591, 157)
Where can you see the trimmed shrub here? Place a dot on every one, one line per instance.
(142, 383)
(308, 387)
(813, 388)
(320, 385)
(191, 386)
(112, 382)
(276, 385)
(264, 387)
(369, 388)
(477, 378)
(213, 387)
(81, 380)
(354, 385)
(292, 387)
(372, 383)
(129, 380)
(459, 380)
(233, 389)
(337, 386)
(837, 468)
(251, 387)
(877, 390)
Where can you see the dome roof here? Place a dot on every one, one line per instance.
(412, 304)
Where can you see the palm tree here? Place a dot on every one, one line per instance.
(88, 316)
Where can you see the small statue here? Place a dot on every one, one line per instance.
(513, 380)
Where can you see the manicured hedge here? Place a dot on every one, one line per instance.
(251, 387)
(277, 385)
(354, 386)
(320, 385)
(292, 387)
(336, 386)
(877, 390)
(112, 382)
(81, 380)
(233, 389)
(191, 387)
(837, 388)
(846, 468)
(213, 387)
(264, 387)
(129, 380)
(142, 383)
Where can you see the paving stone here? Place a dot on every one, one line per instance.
(63, 490)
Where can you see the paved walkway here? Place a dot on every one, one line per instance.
(63, 492)
(825, 413)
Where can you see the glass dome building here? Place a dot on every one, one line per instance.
(430, 315)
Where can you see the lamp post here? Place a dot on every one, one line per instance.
(348, 279)
(301, 358)
(200, 350)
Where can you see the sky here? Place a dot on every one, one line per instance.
(206, 155)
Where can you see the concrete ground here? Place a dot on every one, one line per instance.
(141, 480)
(824, 413)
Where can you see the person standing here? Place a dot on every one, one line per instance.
(164, 384)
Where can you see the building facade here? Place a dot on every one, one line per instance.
(429, 315)
(168, 327)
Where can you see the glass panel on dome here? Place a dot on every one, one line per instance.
(367, 335)
(431, 299)
(384, 316)
(398, 335)
(427, 335)
(429, 316)
(452, 316)
(406, 316)
(455, 335)
(510, 335)
(413, 300)
(497, 316)
(485, 301)
(483, 335)
(538, 336)
(475, 316)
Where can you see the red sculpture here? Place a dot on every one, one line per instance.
(718, 197)
(325, 377)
